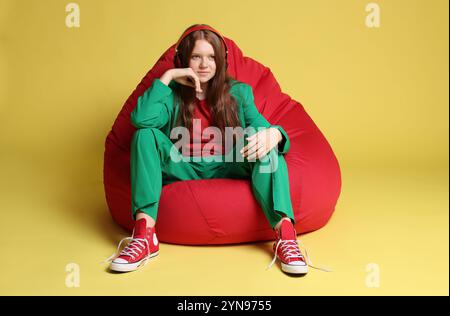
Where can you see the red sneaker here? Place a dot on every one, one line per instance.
(142, 246)
(286, 249)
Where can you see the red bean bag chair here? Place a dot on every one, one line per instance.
(223, 211)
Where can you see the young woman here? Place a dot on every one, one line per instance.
(195, 96)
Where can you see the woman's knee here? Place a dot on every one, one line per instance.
(268, 163)
(148, 134)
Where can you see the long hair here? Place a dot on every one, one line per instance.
(223, 106)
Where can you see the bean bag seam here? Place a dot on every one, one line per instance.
(111, 137)
(200, 211)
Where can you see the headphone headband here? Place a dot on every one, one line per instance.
(197, 28)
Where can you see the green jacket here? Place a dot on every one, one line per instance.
(155, 108)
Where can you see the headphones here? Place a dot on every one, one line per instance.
(177, 60)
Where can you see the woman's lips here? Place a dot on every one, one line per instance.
(203, 73)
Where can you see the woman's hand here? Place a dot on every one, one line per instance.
(184, 76)
(261, 143)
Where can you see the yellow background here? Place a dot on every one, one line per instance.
(380, 96)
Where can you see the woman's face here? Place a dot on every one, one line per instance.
(203, 61)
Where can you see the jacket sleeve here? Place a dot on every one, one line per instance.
(255, 119)
(154, 106)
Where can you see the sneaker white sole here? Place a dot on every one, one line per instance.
(294, 269)
(128, 267)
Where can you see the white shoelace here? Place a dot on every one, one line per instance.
(286, 246)
(134, 248)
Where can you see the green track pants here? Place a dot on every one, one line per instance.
(155, 161)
